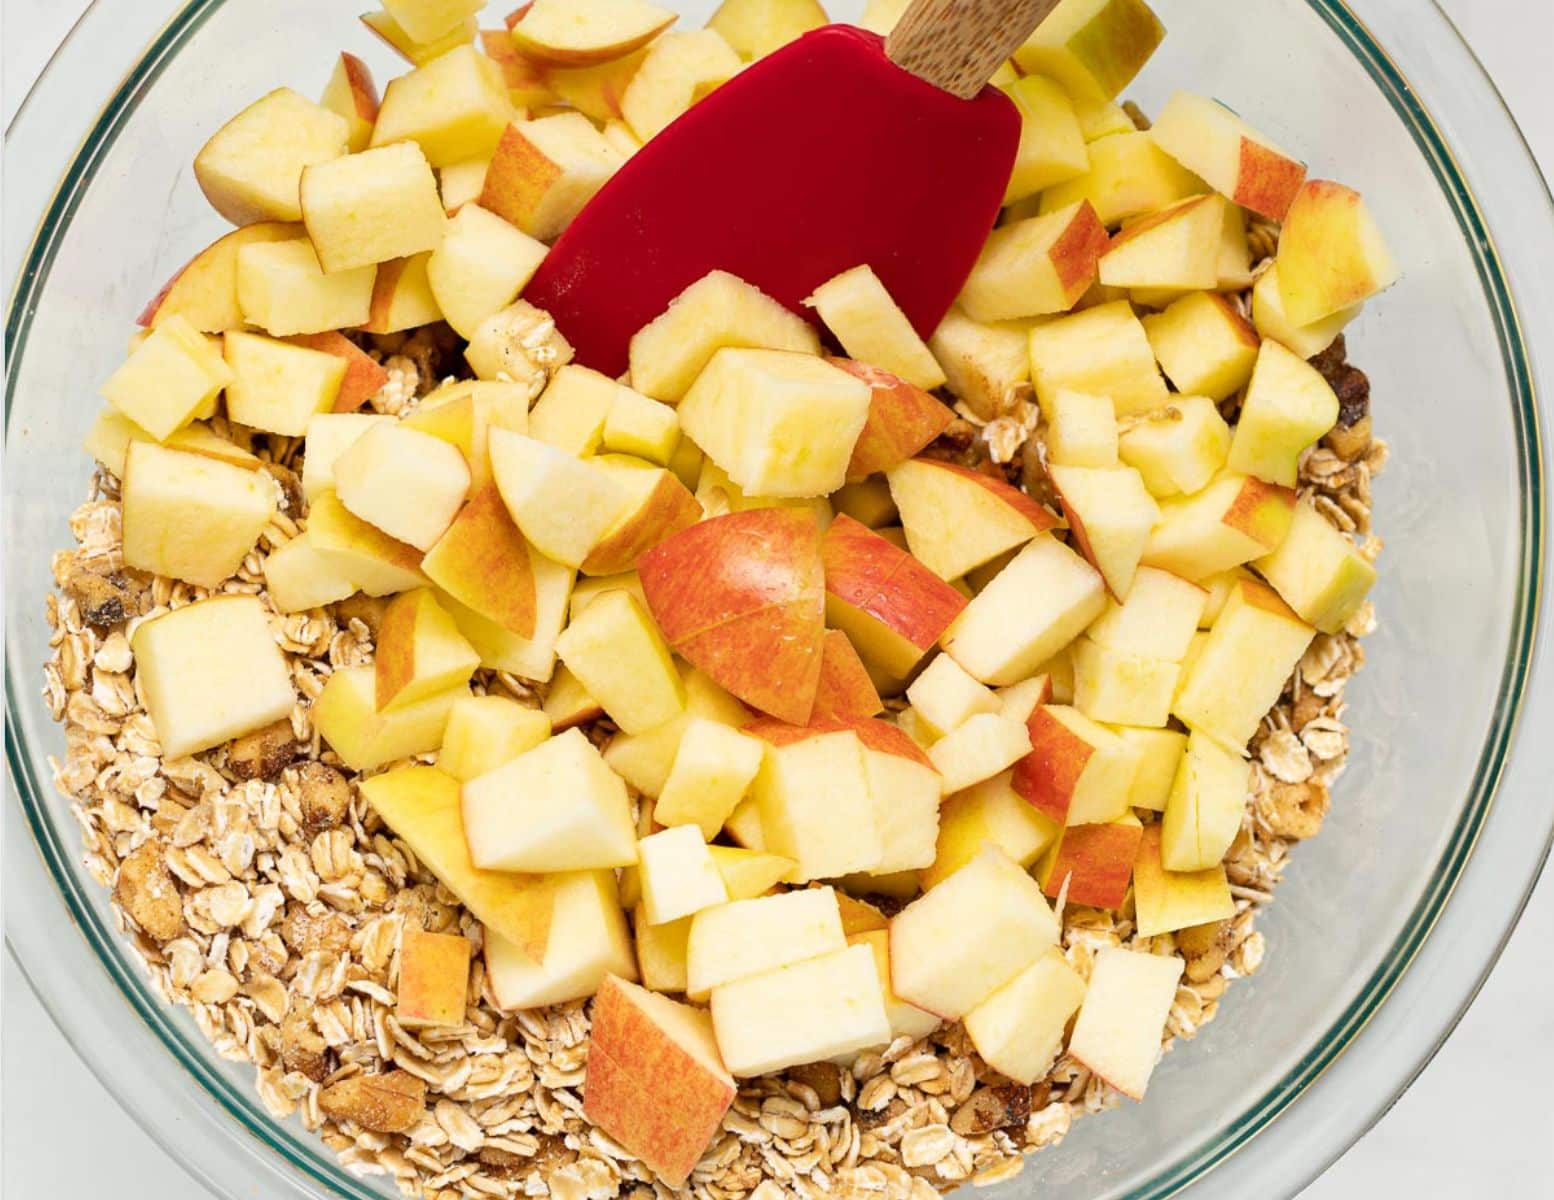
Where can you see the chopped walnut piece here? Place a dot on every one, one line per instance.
(389, 1103)
(105, 597)
(988, 1108)
(326, 794)
(265, 752)
(148, 893)
(290, 484)
(303, 1048)
(307, 933)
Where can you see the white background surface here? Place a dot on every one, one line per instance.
(1478, 1119)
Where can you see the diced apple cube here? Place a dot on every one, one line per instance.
(751, 937)
(1331, 253)
(906, 789)
(643, 427)
(679, 69)
(363, 209)
(815, 801)
(433, 978)
(978, 749)
(990, 813)
(661, 951)
(1018, 1030)
(461, 183)
(984, 363)
(483, 562)
(557, 807)
(1231, 157)
(755, 28)
(1052, 145)
(1287, 407)
(191, 517)
(419, 53)
(567, 702)
(346, 716)
(250, 167)
(1019, 700)
(1243, 665)
(903, 418)
(645, 761)
(1081, 429)
(1177, 449)
(480, 266)
(1306, 341)
(1121, 687)
(1077, 771)
(298, 577)
(1165, 901)
(564, 505)
(1158, 618)
(588, 942)
(871, 327)
(744, 827)
(1110, 514)
(1036, 266)
(283, 290)
(197, 699)
(112, 434)
(958, 944)
(377, 563)
(717, 311)
(618, 654)
(1318, 571)
(277, 386)
(1235, 519)
(170, 379)
(401, 296)
(544, 171)
(1032, 609)
(1205, 346)
(406, 483)
(1123, 1016)
(845, 691)
(906, 1020)
(750, 873)
(420, 652)
(1102, 350)
(1129, 176)
(571, 413)
(781, 424)
(328, 436)
(679, 877)
(1093, 48)
(947, 697)
(713, 768)
(454, 107)
(484, 732)
(1091, 864)
(1175, 248)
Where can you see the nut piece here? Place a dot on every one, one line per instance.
(990, 1108)
(303, 1048)
(265, 752)
(290, 486)
(306, 933)
(389, 1103)
(148, 893)
(105, 598)
(1295, 810)
(326, 795)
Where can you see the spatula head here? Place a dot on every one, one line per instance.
(823, 156)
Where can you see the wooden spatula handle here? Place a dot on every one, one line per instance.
(956, 45)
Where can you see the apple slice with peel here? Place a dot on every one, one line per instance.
(958, 944)
(1092, 864)
(872, 328)
(742, 597)
(364, 375)
(902, 419)
(486, 731)
(1177, 449)
(1288, 406)
(401, 296)
(957, 518)
(984, 362)
(204, 292)
(527, 81)
(658, 506)
(1205, 346)
(817, 806)
(891, 607)
(1037, 266)
(990, 813)
(283, 290)
(1078, 772)
(1318, 571)
(1166, 901)
(599, 91)
(845, 691)
(750, 937)
(1110, 513)
(543, 172)
(433, 978)
(1177, 247)
(1331, 253)
(420, 806)
(1231, 157)
(656, 1083)
(1018, 1030)
(1117, 1034)
(579, 33)
(564, 505)
(1235, 519)
(483, 562)
(588, 942)
(420, 652)
(1272, 321)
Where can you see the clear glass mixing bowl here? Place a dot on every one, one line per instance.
(1382, 95)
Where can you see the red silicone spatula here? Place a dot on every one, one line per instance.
(837, 150)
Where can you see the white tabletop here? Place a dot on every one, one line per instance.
(1478, 1120)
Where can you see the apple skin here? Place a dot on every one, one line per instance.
(433, 978)
(1048, 775)
(742, 597)
(204, 289)
(1096, 861)
(903, 418)
(845, 691)
(483, 562)
(363, 376)
(663, 511)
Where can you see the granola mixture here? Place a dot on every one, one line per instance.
(266, 896)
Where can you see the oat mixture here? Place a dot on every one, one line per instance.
(267, 897)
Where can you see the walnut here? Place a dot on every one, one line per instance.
(1206, 947)
(867, 1118)
(263, 753)
(306, 933)
(326, 794)
(388, 1103)
(823, 1078)
(105, 597)
(989, 1108)
(149, 894)
(303, 1048)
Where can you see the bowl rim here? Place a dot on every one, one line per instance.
(301, 1151)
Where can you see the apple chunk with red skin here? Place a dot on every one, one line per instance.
(902, 419)
(957, 518)
(1093, 862)
(204, 291)
(742, 596)
(656, 1082)
(1228, 154)
(845, 691)
(1331, 253)
(433, 978)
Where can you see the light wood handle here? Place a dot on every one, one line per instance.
(956, 45)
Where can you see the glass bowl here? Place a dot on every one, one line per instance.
(1381, 94)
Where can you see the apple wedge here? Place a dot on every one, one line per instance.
(957, 518)
(433, 978)
(1092, 864)
(1081, 429)
(579, 33)
(298, 577)
(1129, 176)
(645, 428)
(714, 767)
(483, 562)
(428, 20)
(1228, 154)
(1158, 619)
(1235, 519)
(572, 410)
(598, 92)
(906, 788)
(564, 505)
(394, 36)
(1078, 772)
(543, 172)
(1018, 1030)
(1110, 514)
(420, 652)
(645, 761)
(1331, 253)
(283, 290)
(743, 597)
(1121, 687)
(364, 375)
(1159, 754)
(1318, 571)
(844, 692)
(527, 80)
(277, 386)
(1175, 248)
(588, 941)
(250, 167)
(346, 716)
(617, 653)
(1037, 266)
(1117, 1034)
(906, 1020)
(377, 563)
(1052, 144)
(872, 328)
(1166, 901)
(1272, 321)
(903, 418)
(480, 266)
(980, 748)
(658, 506)
(678, 874)
(484, 732)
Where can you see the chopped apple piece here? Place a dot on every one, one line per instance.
(1052, 145)
(1159, 754)
(947, 697)
(204, 291)
(433, 978)
(1158, 620)
(1235, 519)
(751, 873)
(958, 944)
(656, 1082)
(480, 267)
(1288, 406)
(1318, 571)
(484, 732)
(1166, 901)
(979, 749)
(1102, 350)
(420, 652)
(461, 183)
(827, 1007)
(598, 92)
(906, 1020)
(957, 518)
(1121, 687)
(589, 590)
(544, 171)
(781, 424)
(679, 69)
(299, 577)
(860, 917)
(420, 806)
(891, 607)
(1331, 253)
(646, 760)
(906, 789)
(1037, 266)
(454, 107)
(583, 32)
(717, 311)
(376, 562)
(567, 702)
(1243, 665)
(563, 505)
(363, 209)
(816, 804)
(742, 597)
(1204, 812)
(1093, 48)
(679, 877)
(364, 375)
(518, 345)
(401, 297)
(1077, 772)
(717, 495)
(1129, 176)
(1205, 346)
(1231, 157)
(499, 648)
(902, 420)
(984, 363)
(283, 290)
(428, 20)
(197, 699)
(872, 329)
(189, 516)
(406, 483)
(527, 81)
(868, 501)
(751, 937)
(1018, 1030)
(557, 807)
(755, 28)
(483, 562)
(845, 691)
(713, 767)
(990, 813)
(1019, 700)
(1179, 448)
(1081, 429)
(250, 167)
(661, 950)
(1032, 609)
(1123, 1016)
(588, 942)
(641, 427)
(1091, 864)
(347, 717)
(618, 654)
(277, 386)
(416, 53)
(1306, 341)
(571, 413)
(1176, 247)
(1110, 514)
(170, 379)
